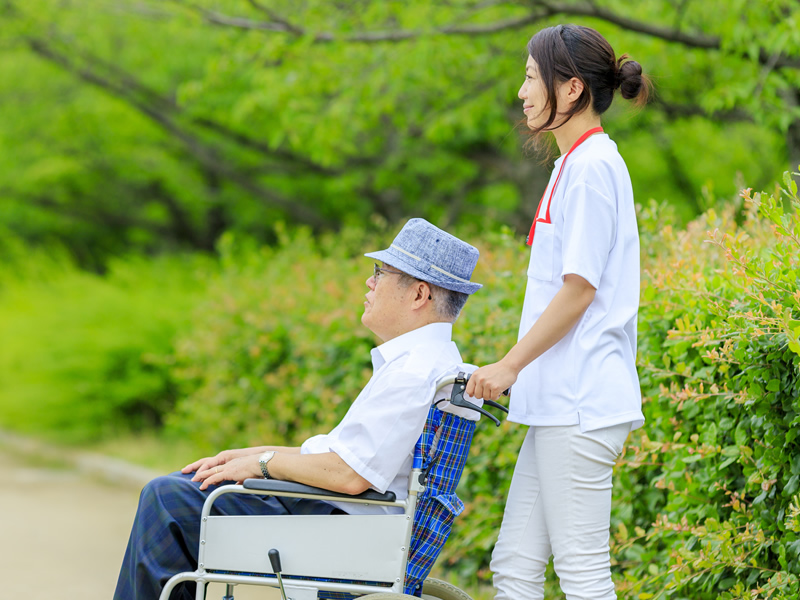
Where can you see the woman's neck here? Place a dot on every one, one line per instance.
(569, 132)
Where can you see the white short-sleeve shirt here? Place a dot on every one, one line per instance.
(376, 437)
(589, 377)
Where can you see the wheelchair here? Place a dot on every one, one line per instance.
(371, 557)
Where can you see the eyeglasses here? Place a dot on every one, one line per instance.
(378, 271)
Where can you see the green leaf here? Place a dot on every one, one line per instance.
(792, 485)
(790, 183)
(730, 451)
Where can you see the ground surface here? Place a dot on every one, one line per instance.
(64, 531)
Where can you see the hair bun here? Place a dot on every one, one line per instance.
(629, 78)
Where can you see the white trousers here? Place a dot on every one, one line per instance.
(559, 504)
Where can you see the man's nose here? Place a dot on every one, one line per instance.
(371, 282)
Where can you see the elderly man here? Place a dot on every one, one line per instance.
(412, 302)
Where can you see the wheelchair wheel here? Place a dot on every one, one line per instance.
(436, 588)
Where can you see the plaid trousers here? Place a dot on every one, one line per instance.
(166, 531)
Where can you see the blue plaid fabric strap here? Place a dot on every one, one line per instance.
(445, 439)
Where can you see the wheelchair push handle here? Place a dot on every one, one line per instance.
(459, 384)
(457, 399)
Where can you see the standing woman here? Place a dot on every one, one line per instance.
(573, 369)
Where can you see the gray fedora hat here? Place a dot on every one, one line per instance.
(426, 252)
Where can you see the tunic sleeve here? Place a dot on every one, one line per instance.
(590, 228)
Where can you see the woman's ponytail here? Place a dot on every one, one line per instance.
(630, 81)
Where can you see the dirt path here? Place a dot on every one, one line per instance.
(63, 533)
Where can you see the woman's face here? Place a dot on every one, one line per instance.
(534, 96)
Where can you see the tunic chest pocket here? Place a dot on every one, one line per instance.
(542, 256)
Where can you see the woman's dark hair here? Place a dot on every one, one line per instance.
(566, 51)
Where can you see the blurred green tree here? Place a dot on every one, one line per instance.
(162, 124)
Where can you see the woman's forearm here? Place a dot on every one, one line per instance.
(560, 316)
(564, 310)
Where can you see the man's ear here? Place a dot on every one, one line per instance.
(422, 293)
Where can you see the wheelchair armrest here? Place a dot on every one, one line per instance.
(277, 485)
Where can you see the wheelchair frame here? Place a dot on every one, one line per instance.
(352, 554)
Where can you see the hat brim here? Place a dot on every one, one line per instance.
(402, 263)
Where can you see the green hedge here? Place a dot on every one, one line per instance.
(707, 502)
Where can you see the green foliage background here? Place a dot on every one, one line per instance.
(85, 357)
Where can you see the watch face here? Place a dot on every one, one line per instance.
(263, 460)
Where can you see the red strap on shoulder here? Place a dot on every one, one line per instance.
(546, 219)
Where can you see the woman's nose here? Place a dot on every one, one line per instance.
(521, 92)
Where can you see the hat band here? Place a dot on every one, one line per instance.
(404, 252)
(456, 277)
(450, 274)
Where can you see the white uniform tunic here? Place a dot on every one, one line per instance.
(377, 436)
(589, 377)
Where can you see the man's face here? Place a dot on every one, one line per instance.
(386, 305)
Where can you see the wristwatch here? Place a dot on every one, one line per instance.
(263, 460)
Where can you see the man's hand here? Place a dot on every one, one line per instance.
(491, 381)
(220, 459)
(237, 469)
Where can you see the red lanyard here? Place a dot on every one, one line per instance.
(546, 219)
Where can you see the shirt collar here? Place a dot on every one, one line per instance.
(428, 334)
(592, 139)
